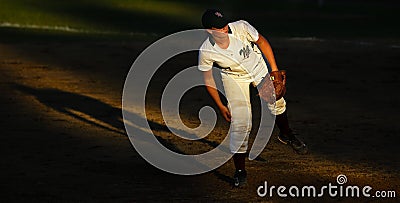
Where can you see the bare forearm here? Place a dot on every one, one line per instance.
(212, 90)
(266, 49)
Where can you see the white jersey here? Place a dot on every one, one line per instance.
(242, 57)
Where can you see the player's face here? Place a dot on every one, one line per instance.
(218, 33)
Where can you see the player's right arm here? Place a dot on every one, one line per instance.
(206, 63)
(212, 90)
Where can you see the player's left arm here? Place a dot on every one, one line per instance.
(266, 49)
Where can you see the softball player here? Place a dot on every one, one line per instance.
(238, 49)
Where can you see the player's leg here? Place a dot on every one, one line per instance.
(286, 134)
(238, 95)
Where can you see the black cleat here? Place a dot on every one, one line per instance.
(240, 178)
(298, 146)
(283, 138)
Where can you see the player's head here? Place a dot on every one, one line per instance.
(213, 18)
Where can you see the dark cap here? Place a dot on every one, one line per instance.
(214, 18)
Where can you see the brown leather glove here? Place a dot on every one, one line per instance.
(274, 89)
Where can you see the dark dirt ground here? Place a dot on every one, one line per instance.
(63, 139)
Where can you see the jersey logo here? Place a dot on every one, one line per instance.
(245, 51)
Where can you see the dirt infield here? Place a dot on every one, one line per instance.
(63, 138)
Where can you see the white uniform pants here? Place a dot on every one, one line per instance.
(237, 92)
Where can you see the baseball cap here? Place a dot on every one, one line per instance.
(214, 18)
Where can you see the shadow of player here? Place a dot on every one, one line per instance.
(98, 113)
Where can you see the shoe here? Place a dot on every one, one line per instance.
(298, 146)
(283, 138)
(240, 178)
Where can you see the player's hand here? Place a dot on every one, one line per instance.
(225, 113)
